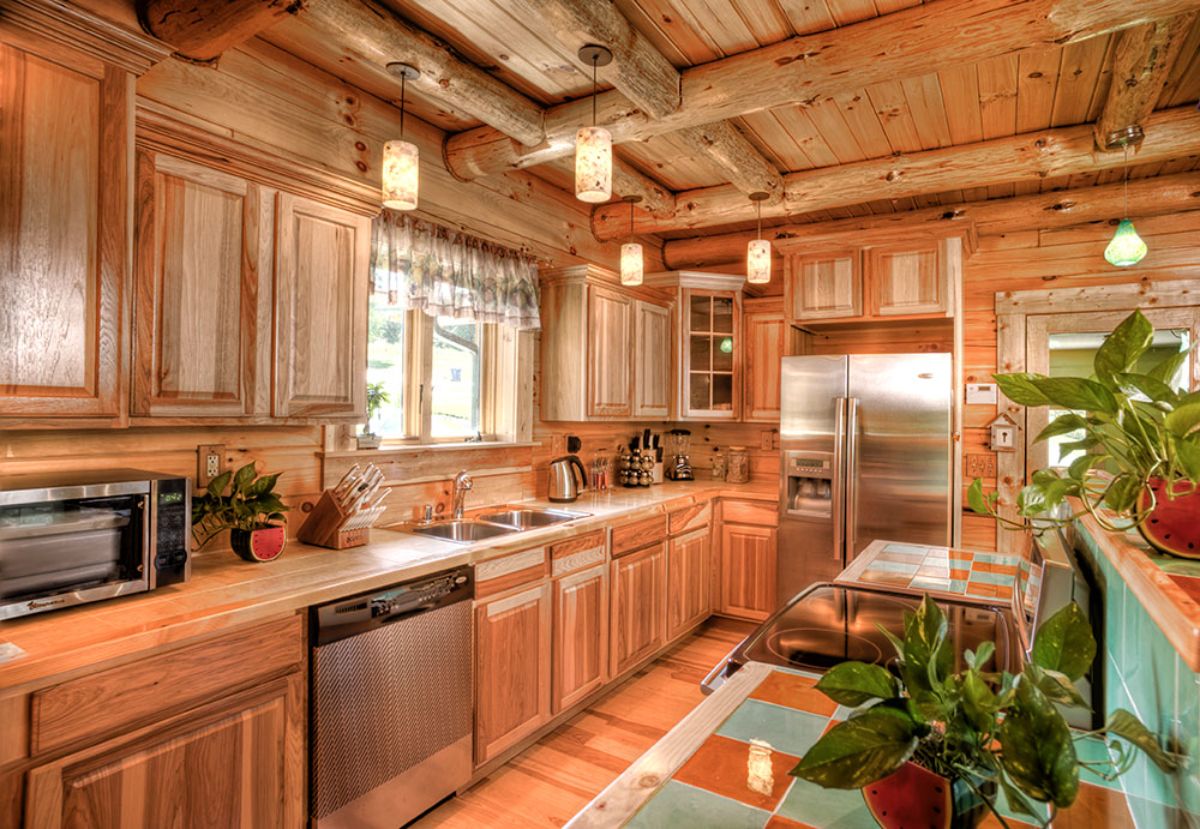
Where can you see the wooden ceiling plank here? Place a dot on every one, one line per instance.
(1147, 197)
(998, 96)
(1027, 157)
(1037, 80)
(846, 12)
(827, 118)
(202, 31)
(1141, 65)
(656, 199)
(377, 35)
(924, 95)
(891, 105)
(904, 44)
(806, 136)
(807, 16)
(960, 94)
(858, 113)
(1078, 74)
(1175, 89)
(775, 141)
(658, 21)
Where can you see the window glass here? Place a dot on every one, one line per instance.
(455, 378)
(386, 358)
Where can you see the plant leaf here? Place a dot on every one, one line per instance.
(1169, 367)
(1187, 453)
(262, 486)
(1064, 643)
(243, 478)
(975, 497)
(1077, 393)
(1122, 348)
(1061, 425)
(1184, 419)
(1127, 726)
(978, 658)
(861, 750)
(1020, 387)
(853, 683)
(1152, 387)
(217, 485)
(1059, 688)
(1038, 752)
(978, 702)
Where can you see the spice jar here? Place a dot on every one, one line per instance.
(718, 466)
(737, 469)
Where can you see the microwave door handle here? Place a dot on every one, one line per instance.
(837, 474)
(851, 477)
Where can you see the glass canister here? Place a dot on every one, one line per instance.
(737, 468)
(718, 465)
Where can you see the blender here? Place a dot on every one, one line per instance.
(679, 461)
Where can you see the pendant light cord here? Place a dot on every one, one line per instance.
(758, 208)
(1126, 179)
(631, 220)
(403, 81)
(595, 61)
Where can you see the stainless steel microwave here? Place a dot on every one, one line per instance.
(71, 538)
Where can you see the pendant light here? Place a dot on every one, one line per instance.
(632, 264)
(593, 145)
(401, 159)
(1126, 248)
(758, 253)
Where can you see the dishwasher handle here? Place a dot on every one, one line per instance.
(366, 611)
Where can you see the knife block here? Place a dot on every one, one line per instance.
(323, 526)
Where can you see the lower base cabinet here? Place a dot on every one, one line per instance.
(747, 571)
(689, 580)
(512, 669)
(638, 605)
(580, 635)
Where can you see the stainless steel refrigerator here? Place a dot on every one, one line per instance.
(866, 443)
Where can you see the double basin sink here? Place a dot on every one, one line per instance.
(494, 523)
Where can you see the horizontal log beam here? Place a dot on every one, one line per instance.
(202, 31)
(1142, 60)
(746, 167)
(1147, 197)
(810, 68)
(655, 199)
(1028, 157)
(378, 37)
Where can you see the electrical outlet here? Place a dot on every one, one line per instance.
(210, 463)
(766, 440)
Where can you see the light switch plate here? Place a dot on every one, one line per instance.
(981, 393)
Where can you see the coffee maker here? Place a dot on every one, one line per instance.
(678, 466)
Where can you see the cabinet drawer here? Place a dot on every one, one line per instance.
(638, 534)
(690, 518)
(577, 553)
(762, 513)
(499, 574)
(104, 703)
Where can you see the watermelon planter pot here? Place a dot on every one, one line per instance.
(1174, 526)
(913, 797)
(263, 544)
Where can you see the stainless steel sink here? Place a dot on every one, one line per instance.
(530, 518)
(464, 532)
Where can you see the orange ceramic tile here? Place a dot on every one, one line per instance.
(751, 774)
(978, 588)
(1003, 591)
(794, 691)
(781, 822)
(1096, 808)
(999, 569)
(960, 575)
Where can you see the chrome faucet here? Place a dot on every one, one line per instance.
(462, 483)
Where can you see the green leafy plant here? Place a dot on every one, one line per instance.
(1135, 428)
(991, 730)
(251, 504)
(377, 396)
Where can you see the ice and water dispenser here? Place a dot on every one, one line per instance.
(809, 478)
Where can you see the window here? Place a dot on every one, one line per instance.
(454, 382)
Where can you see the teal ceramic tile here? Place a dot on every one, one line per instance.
(914, 550)
(1150, 815)
(827, 808)
(785, 729)
(991, 578)
(893, 567)
(1093, 749)
(678, 804)
(1186, 738)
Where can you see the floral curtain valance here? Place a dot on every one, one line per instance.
(445, 273)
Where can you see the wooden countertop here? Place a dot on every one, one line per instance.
(225, 591)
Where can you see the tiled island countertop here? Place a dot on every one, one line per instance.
(725, 766)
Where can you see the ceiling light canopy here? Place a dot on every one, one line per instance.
(593, 145)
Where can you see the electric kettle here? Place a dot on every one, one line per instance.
(563, 486)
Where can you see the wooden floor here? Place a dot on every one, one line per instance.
(549, 782)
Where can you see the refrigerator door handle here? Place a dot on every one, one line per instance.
(851, 476)
(838, 507)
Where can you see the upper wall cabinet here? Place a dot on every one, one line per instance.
(322, 256)
(202, 344)
(65, 115)
(605, 350)
(909, 279)
(768, 339)
(825, 285)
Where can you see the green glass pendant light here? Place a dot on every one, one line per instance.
(1126, 248)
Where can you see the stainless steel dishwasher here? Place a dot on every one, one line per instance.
(391, 701)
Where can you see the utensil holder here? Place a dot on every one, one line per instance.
(328, 526)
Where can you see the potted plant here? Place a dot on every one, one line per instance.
(251, 511)
(1140, 441)
(931, 747)
(376, 397)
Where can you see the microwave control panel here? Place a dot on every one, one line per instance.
(172, 525)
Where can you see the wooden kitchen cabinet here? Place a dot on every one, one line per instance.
(638, 588)
(824, 286)
(908, 279)
(652, 360)
(610, 364)
(321, 260)
(711, 344)
(767, 337)
(235, 763)
(202, 346)
(580, 653)
(689, 581)
(512, 669)
(747, 571)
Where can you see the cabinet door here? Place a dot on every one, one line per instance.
(766, 340)
(203, 292)
(689, 577)
(652, 360)
(580, 635)
(610, 367)
(321, 259)
(512, 669)
(909, 280)
(638, 606)
(234, 764)
(711, 385)
(747, 571)
(824, 286)
(65, 128)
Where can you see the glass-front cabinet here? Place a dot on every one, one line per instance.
(712, 348)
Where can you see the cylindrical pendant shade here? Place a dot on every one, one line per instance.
(758, 262)
(593, 165)
(1126, 247)
(632, 264)
(401, 175)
